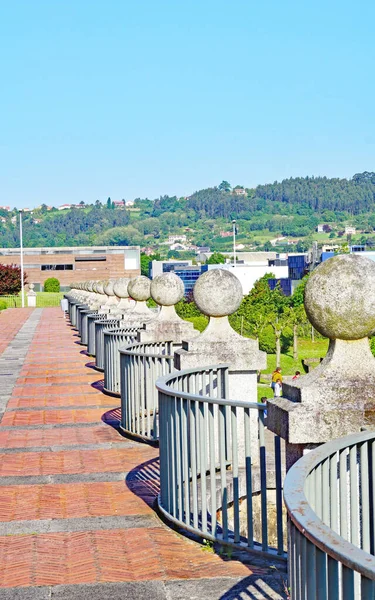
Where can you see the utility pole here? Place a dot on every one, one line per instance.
(21, 247)
(234, 242)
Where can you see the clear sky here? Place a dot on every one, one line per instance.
(128, 98)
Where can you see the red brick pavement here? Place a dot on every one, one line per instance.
(11, 321)
(151, 552)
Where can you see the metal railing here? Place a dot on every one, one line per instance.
(91, 320)
(213, 462)
(100, 325)
(140, 367)
(80, 310)
(113, 340)
(330, 498)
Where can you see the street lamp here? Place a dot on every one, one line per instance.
(21, 248)
(234, 242)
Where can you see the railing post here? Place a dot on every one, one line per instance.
(218, 293)
(336, 398)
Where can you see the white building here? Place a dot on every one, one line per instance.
(172, 239)
(250, 273)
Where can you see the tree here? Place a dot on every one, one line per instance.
(216, 259)
(145, 261)
(224, 186)
(52, 284)
(10, 279)
(109, 203)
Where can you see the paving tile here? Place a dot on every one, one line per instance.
(75, 528)
(52, 417)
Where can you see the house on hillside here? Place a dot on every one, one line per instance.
(64, 207)
(7, 208)
(349, 230)
(239, 191)
(172, 239)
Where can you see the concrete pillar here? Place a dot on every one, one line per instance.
(338, 397)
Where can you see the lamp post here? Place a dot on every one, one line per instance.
(21, 248)
(234, 242)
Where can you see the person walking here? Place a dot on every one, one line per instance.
(276, 376)
(278, 390)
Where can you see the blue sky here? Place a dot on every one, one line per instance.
(125, 99)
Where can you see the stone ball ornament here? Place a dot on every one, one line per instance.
(139, 288)
(120, 287)
(108, 287)
(340, 297)
(167, 289)
(218, 293)
(100, 287)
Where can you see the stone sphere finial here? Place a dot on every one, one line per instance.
(340, 297)
(100, 287)
(139, 288)
(108, 287)
(167, 289)
(120, 287)
(218, 293)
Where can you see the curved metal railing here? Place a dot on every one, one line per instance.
(100, 325)
(91, 320)
(114, 338)
(81, 309)
(330, 498)
(140, 367)
(213, 462)
(73, 312)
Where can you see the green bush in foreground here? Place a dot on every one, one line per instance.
(52, 285)
(3, 305)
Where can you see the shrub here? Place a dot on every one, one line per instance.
(52, 285)
(10, 279)
(3, 305)
(199, 323)
(267, 340)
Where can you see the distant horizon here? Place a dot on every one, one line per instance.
(129, 199)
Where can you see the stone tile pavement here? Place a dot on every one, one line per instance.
(76, 499)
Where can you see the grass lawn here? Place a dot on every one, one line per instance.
(43, 299)
(306, 349)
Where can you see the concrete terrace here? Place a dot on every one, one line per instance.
(76, 502)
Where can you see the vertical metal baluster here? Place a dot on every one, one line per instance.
(321, 574)
(223, 478)
(263, 481)
(185, 460)
(311, 572)
(325, 492)
(367, 588)
(211, 437)
(333, 578)
(235, 475)
(193, 458)
(343, 495)
(365, 498)
(279, 495)
(334, 524)
(354, 507)
(249, 483)
(318, 490)
(202, 419)
(347, 583)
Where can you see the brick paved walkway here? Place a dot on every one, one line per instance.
(76, 516)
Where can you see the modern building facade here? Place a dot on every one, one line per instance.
(74, 264)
